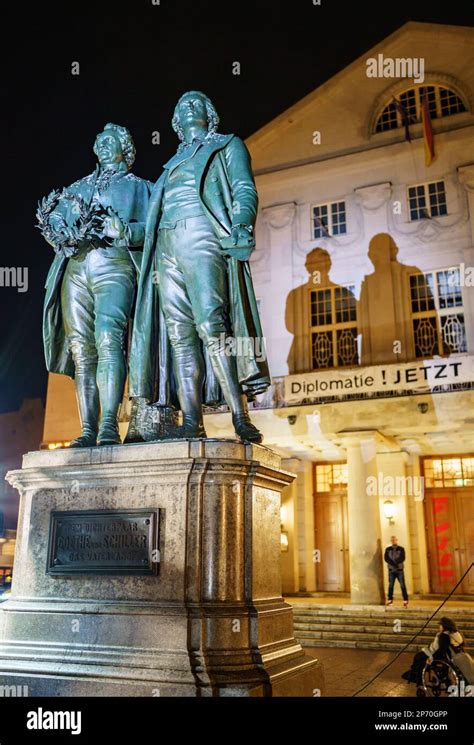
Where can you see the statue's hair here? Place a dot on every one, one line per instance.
(126, 142)
(212, 115)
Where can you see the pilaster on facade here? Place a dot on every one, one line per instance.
(466, 179)
(279, 221)
(373, 201)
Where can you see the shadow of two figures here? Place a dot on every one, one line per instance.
(394, 317)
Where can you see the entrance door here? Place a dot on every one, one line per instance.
(332, 571)
(465, 512)
(450, 521)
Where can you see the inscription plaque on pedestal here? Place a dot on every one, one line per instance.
(104, 542)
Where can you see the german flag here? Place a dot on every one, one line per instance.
(427, 131)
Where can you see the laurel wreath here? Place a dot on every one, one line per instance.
(65, 237)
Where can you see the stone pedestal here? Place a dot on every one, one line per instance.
(211, 622)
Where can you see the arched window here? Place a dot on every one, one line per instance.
(442, 102)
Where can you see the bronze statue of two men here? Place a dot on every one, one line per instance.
(172, 258)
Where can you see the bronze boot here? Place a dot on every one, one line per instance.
(225, 369)
(88, 403)
(189, 373)
(111, 374)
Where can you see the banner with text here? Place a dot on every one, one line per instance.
(421, 376)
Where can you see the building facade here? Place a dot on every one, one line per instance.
(364, 273)
(366, 287)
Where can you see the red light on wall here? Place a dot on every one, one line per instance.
(445, 556)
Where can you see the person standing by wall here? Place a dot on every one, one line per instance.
(395, 558)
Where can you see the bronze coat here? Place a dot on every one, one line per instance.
(224, 177)
(129, 199)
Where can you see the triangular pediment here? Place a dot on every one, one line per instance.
(342, 109)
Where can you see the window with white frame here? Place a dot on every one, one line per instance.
(333, 314)
(427, 200)
(442, 102)
(437, 313)
(329, 219)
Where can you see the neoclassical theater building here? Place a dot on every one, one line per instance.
(364, 273)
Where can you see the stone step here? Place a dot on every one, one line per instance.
(363, 643)
(369, 629)
(467, 621)
(378, 611)
(343, 600)
(372, 628)
(384, 613)
(358, 644)
(319, 633)
(421, 640)
(349, 622)
(401, 640)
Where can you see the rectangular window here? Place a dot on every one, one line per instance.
(427, 200)
(338, 213)
(331, 476)
(329, 220)
(333, 314)
(448, 472)
(437, 313)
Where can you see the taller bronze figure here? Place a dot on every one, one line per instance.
(97, 228)
(195, 293)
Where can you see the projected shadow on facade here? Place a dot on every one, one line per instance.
(322, 316)
(401, 313)
(406, 314)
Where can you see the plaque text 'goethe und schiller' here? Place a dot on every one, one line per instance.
(104, 542)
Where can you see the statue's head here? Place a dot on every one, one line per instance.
(194, 109)
(115, 144)
(382, 250)
(318, 260)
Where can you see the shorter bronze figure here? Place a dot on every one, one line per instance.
(96, 227)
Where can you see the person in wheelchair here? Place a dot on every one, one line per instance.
(448, 641)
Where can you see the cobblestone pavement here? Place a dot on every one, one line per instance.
(347, 670)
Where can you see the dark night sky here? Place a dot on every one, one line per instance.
(136, 59)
